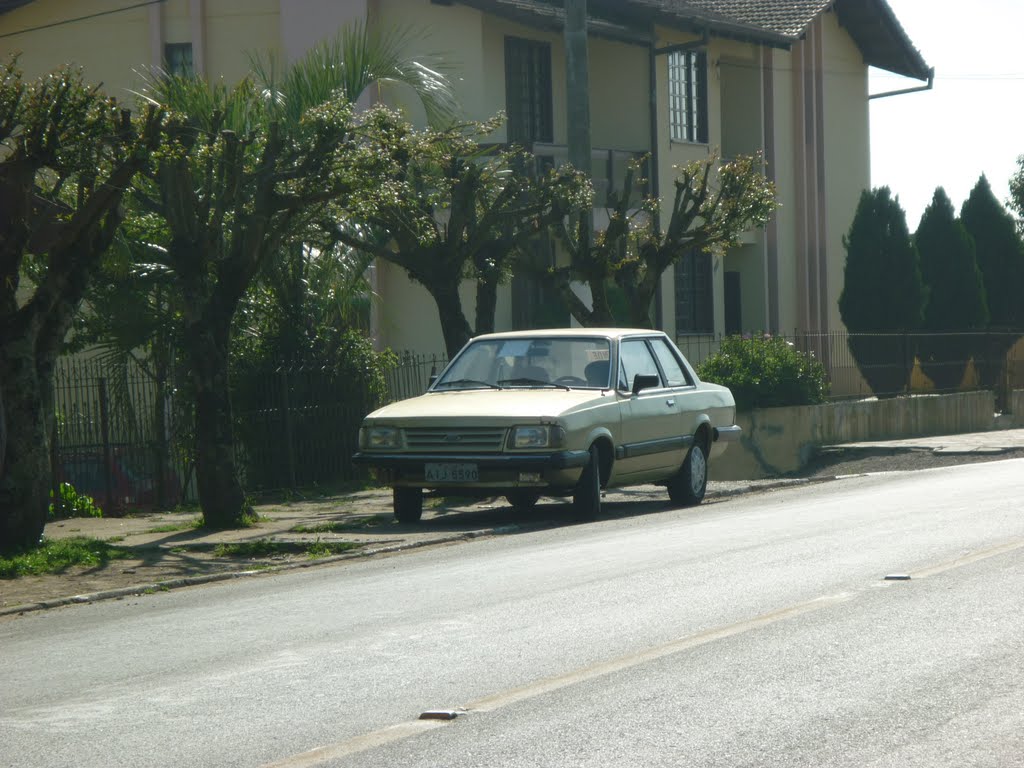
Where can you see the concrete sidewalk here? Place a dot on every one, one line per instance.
(166, 550)
(992, 442)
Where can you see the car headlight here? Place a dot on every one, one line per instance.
(536, 436)
(379, 437)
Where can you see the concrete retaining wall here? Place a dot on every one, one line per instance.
(780, 440)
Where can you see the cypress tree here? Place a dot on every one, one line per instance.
(1000, 256)
(883, 291)
(956, 293)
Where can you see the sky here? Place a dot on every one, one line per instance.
(971, 122)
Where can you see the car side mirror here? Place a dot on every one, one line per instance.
(645, 381)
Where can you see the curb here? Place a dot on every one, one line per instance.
(191, 581)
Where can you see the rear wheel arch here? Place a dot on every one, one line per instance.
(703, 436)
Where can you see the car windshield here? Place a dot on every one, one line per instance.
(530, 362)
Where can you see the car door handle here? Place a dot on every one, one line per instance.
(670, 403)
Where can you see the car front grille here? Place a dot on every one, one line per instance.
(482, 439)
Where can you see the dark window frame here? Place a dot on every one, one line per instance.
(178, 59)
(694, 293)
(528, 94)
(688, 96)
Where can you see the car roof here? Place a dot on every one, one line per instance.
(612, 333)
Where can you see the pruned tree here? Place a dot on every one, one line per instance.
(883, 294)
(68, 155)
(452, 210)
(247, 172)
(712, 205)
(956, 293)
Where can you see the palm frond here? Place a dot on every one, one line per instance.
(203, 103)
(359, 57)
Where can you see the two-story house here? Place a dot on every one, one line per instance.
(674, 78)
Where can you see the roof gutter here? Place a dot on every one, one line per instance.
(918, 89)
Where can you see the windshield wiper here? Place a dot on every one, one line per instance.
(462, 382)
(535, 383)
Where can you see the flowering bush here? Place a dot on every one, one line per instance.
(765, 372)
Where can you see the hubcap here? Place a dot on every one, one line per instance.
(698, 468)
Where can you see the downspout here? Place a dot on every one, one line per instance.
(918, 89)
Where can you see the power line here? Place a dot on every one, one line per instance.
(82, 18)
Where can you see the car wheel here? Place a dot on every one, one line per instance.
(522, 501)
(408, 504)
(691, 483)
(586, 499)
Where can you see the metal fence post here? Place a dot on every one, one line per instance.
(287, 416)
(108, 453)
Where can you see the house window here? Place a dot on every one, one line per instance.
(688, 96)
(695, 309)
(178, 59)
(528, 91)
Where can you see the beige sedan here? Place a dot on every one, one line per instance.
(562, 412)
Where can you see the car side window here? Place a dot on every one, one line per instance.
(635, 357)
(675, 374)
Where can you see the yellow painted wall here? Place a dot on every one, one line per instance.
(112, 46)
(235, 28)
(784, 106)
(847, 147)
(108, 47)
(115, 47)
(622, 122)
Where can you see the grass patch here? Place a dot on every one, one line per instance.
(264, 548)
(340, 526)
(57, 555)
(186, 525)
(172, 527)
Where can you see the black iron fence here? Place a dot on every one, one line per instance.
(126, 438)
(119, 434)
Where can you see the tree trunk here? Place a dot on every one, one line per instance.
(486, 304)
(454, 325)
(25, 474)
(3, 429)
(640, 298)
(220, 490)
(601, 315)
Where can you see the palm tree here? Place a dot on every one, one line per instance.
(251, 171)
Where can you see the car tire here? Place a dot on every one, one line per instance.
(689, 485)
(522, 500)
(408, 504)
(586, 499)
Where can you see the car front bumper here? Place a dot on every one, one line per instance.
(556, 470)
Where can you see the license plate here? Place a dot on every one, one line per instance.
(451, 473)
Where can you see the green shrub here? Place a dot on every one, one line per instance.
(73, 504)
(766, 372)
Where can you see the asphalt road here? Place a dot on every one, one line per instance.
(758, 630)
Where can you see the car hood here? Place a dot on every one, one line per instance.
(499, 407)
